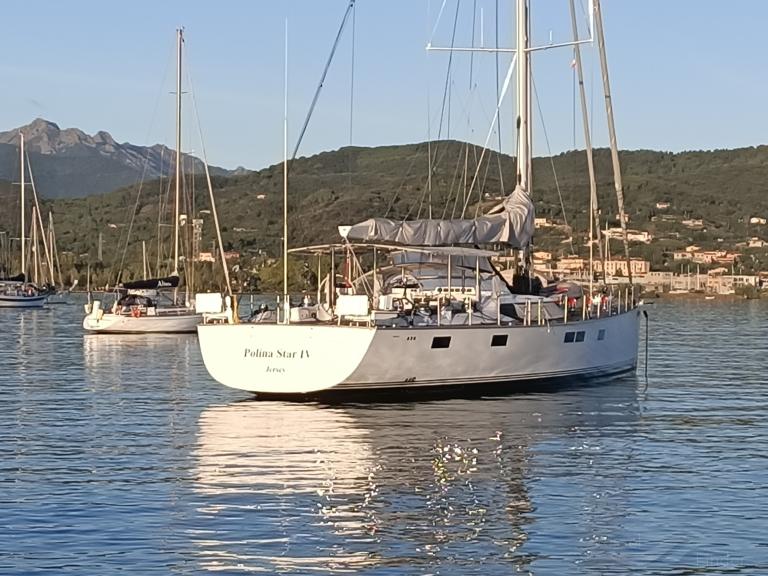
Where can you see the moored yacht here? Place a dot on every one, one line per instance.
(412, 324)
(142, 307)
(16, 293)
(418, 305)
(145, 306)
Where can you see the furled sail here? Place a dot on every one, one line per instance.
(513, 224)
(151, 283)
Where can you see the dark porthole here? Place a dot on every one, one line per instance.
(601, 334)
(441, 342)
(580, 336)
(569, 336)
(499, 340)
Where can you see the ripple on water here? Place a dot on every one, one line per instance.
(120, 454)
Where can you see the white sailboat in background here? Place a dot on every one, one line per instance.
(431, 311)
(144, 306)
(17, 292)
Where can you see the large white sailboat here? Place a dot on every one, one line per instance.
(16, 292)
(431, 311)
(145, 306)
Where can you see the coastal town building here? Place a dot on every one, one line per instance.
(632, 235)
(697, 256)
(619, 267)
(730, 283)
(571, 264)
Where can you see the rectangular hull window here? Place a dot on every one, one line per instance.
(499, 340)
(441, 342)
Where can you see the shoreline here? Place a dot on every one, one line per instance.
(695, 296)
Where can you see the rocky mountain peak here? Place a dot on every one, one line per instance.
(40, 126)
(40, 132)
(45, 137)
(74, 163)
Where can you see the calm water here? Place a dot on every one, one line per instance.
(120, 455)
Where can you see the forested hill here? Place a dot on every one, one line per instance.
(724, 188)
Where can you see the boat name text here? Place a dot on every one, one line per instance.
(278, 353)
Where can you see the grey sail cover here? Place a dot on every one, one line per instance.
(513, 224)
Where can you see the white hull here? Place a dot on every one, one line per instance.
(12, 301)
(309, 358)
(122, 324)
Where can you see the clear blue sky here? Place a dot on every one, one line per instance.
(686, 74)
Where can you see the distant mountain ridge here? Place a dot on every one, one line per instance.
(69, 163)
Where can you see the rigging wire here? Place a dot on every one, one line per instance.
(481, 188)
(214, 212)
(159, 211)
(446, 88)
(130, 225)
(166, 208)
(453, 189)
(490, 131)
(351, 100)
(445, 102)
(551, 161)
(142, 178)
(39, 220)
(472, 91)
(437, 21)
(414, 158)
(322, 79)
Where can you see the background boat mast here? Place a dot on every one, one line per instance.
(179, 42)
(23, 220)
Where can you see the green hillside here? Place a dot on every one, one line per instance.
(724, 188)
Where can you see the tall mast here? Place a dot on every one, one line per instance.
(54, 249)
(523, 141)
(144, 256)
(34, 252)
(23, 221)
(594, 220)
(286, 301)
(179, 42)
(528, 99)
(37, 220)
(612, 134)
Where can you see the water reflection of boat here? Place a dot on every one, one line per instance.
(304, 487)
(136, 354)
(295, 467)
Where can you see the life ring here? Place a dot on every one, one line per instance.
(135, 312)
